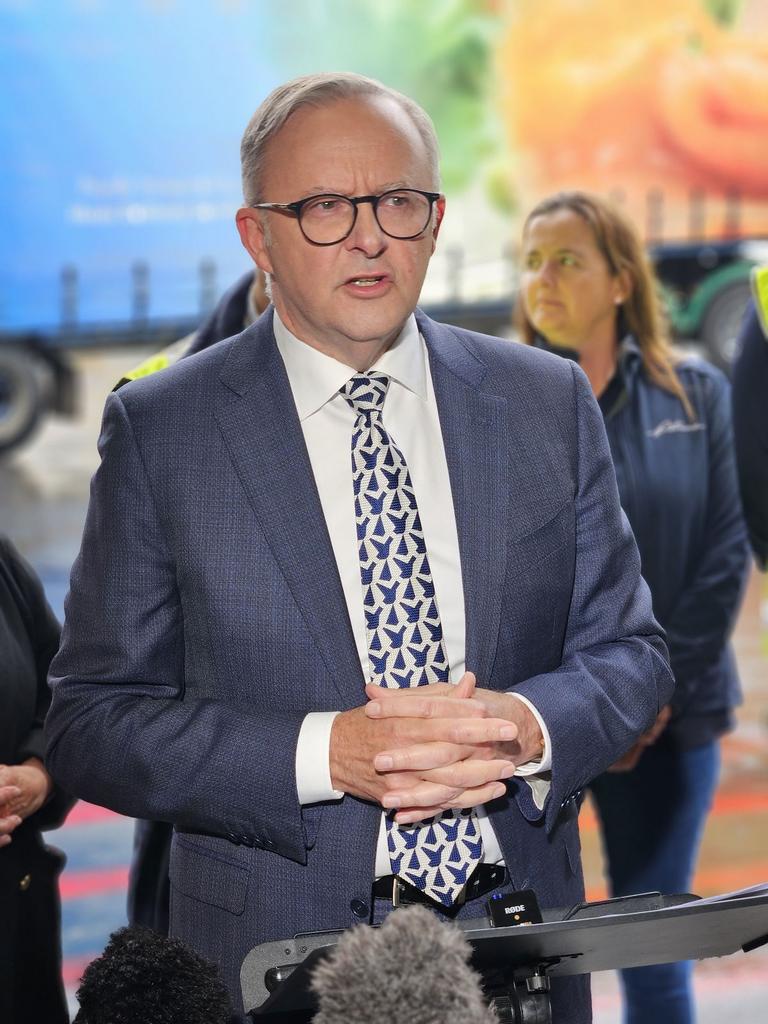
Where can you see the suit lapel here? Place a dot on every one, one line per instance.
(474, 426)
(263, 434)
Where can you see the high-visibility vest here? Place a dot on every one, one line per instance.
(760, 292)
(159, 361)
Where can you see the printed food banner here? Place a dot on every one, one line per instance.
(663, 102)
(121, 124)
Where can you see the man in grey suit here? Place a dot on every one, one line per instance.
(356, 607)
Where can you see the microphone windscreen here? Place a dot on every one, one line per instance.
(414, 969)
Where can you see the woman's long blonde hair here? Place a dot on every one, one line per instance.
(619, 242)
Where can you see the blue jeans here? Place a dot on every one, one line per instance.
(652, 819)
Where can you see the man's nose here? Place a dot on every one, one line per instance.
(366, 235)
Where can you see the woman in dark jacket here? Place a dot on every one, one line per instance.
(31, 989)
(588, 293)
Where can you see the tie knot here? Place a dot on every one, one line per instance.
(366, 392)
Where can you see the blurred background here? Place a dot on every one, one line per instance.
(119, 178)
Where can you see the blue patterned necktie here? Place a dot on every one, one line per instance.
(405, 638)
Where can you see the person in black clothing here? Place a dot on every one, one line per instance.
(237, 309)
(750, 427)
(31, 989)
(588, 292)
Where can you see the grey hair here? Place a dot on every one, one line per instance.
(320, 90)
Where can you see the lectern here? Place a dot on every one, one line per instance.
(516, 963)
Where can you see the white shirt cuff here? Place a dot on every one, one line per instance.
(313, 757)
(544, 764)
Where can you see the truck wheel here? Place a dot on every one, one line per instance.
(721, 322)
(21, 400)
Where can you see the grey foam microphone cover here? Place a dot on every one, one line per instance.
(414, 969)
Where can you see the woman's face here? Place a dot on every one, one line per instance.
(567, 289)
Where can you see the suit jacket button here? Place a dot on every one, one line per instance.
(25, 883)
(359, 908)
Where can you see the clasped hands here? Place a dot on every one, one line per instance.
(24, 788)
(426, 749)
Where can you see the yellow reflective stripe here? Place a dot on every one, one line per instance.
(159, 361)
(151, 365)
(760, 291)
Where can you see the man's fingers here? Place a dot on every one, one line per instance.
(425, 807)
(375, 692)
(444, 786)
(425, 706)
(480, 730)
(8, 793)
(415, 735)
(466, 685)
(463, 690)
(420, 756)
(410, 815)
(471, 774)
(423, 757)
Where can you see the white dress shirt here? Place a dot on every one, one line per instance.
(411, 417)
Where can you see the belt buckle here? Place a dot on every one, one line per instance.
(461, 896)
(400, 895)
(395, 891)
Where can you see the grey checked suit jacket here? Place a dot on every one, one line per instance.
(206, 618)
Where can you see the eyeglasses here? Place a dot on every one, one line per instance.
(328, 219)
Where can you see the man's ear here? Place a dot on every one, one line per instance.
(251, 230)
(439, 214)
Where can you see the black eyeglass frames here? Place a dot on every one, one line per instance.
(328, 219)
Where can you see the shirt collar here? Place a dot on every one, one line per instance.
(316, 378)
(628, 350)
(629, 356)
(628, 360)
(616, 394)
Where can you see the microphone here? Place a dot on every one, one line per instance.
(414, 969)
(147, 977)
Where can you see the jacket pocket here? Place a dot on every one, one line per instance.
(203, 869)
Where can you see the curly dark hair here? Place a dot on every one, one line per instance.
(146, 978)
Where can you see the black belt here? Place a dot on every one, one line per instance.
(483, 879)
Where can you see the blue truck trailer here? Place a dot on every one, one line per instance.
(120, 127)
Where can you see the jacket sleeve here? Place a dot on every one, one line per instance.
(43, 631)
(121, 731)
(750, 425)
(614, 674)
(704, 614)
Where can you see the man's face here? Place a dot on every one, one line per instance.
(351, 299)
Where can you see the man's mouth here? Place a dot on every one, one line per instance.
(366, 282)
